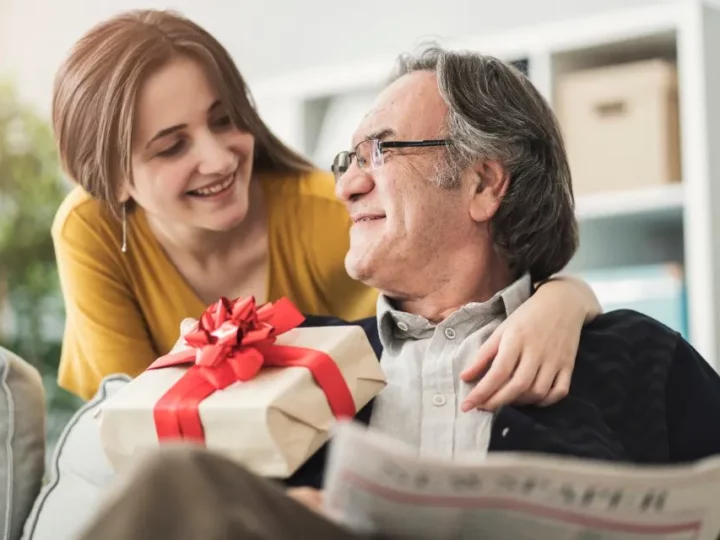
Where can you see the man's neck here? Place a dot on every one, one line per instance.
(458, 287)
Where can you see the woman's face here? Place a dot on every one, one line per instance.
(191, 165)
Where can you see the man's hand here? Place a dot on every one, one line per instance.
(309, 497)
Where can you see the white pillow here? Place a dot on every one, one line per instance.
(79, 475)
(22, 441)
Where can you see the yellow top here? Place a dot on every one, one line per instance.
(123, 310)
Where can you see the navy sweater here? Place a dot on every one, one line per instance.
(639, 393)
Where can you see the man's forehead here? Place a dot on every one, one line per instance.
(410, 107)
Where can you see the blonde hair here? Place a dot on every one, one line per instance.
(96, 88)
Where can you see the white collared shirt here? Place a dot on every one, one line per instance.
(420, 405)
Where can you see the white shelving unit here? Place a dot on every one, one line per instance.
(315, 111)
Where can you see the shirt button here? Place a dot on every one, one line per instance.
(450, 333)
(438, 400)
(402, 326)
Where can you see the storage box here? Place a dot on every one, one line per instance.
(620, 125)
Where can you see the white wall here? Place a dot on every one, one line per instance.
(269, 37)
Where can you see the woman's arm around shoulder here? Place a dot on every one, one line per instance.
(530, 357)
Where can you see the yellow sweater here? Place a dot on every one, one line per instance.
(123, 310)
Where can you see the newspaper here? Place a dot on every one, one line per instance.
(373, 484)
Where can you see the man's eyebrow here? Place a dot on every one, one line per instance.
(381, 134)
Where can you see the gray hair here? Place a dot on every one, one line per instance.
(496, 113)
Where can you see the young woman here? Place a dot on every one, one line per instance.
(184, 195)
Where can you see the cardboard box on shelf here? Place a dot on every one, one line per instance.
(621, 125)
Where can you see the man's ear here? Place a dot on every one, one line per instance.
(492, 182)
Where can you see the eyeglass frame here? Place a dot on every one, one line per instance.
(381, 145)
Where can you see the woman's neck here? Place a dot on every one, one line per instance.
(202, 245)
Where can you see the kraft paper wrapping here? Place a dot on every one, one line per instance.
(271, 424)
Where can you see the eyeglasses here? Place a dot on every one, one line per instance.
(370, 154)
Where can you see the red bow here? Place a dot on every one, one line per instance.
(232, 342)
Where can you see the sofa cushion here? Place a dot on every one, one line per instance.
(22, 441)
(79, 475)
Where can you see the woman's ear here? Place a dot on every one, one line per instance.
(123, 191)
(492, 185)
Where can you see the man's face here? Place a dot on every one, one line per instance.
(407, 231)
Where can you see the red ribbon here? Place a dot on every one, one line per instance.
(232, 342)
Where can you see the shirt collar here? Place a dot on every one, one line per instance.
(394, 325)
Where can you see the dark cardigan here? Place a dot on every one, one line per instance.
(639, 393)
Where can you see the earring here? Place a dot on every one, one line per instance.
(123, 248)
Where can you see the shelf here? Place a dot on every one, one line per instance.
(662, 202)
(517, 45)
(316, 109)
(628, 228)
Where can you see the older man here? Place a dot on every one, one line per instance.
(460, 193)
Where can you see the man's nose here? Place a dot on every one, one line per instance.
(353, 184)
(216, 157)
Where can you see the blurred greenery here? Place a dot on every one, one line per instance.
(31, 189)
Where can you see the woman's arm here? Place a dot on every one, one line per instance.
(104, 328)
(529, 358)
(579, 291)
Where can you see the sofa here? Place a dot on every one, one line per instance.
(22, 442)
(53, 502)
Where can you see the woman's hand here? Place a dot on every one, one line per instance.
(529, 358)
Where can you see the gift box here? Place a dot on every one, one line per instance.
(247, 383)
